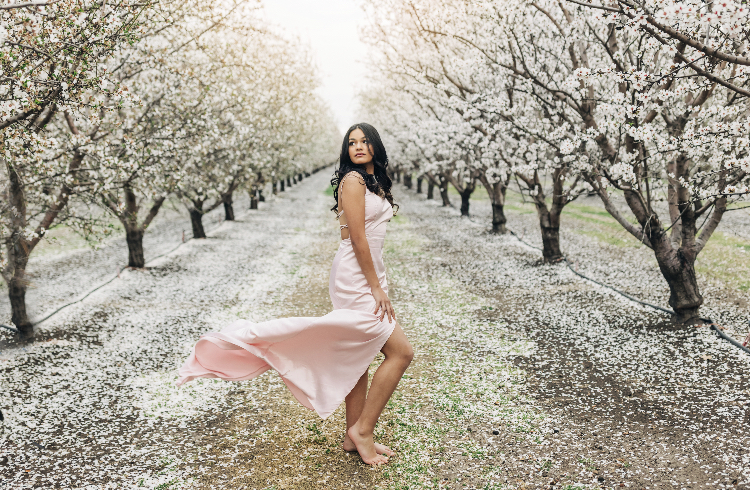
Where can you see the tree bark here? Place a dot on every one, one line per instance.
(18, 254)
(398, 176)
(465, 196)
(444, 195)
(465, 190)
(550, 240)
(419, 184)
(498, 219)
(299, 177)
(444, 191)
(684, 295)
(549, 223)
(133, 231)
(274, 187)
(226, 199)
(549, 216)
(496, 192)
(134, 239)
(677, 264)
(261, 197)
(288, 181)
(254, 198)
(407, 180)
(196, 219)
(17, 293)
(19, 248)
(430, 189)
(281, 185)
(294, 179)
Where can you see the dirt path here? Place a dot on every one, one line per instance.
(525, 376)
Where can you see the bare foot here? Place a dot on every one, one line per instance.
(365, 447)
(379, 448)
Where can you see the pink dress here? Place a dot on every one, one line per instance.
(319, 359)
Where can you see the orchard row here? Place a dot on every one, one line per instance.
(109, 108)
(644, 103)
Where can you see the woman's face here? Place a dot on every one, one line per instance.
(360, 150)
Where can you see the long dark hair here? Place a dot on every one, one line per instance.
(379, 183)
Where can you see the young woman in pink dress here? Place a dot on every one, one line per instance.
(324, 361)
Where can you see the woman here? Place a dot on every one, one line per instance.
(324, 361)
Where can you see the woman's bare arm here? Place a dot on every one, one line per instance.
(353, 204)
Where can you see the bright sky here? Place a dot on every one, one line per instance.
(332, 29)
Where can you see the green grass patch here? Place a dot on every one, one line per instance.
(726, 259)
(61, 239)
(616, 239)
(400, 219)
(584, 219)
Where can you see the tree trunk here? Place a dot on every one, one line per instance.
(254, 198)
(684, 295)
(465, 196)
(549, 216)
(407, 180)
(299, 177)
(134, 232)
(443, 182)
(294, 179)
(134, 239)
(678, 269)
(430, 189)
(17, 293)
(226, 199)
(496, 193)
(261, 197)
(18, 253)
(444, 192)
(549, 222)
(288, 181)
(281, 184)
(398, 177)
(419, 185)
(551, 243)
(196, 219)
(444, 195)
(498, 219)
(274, 187)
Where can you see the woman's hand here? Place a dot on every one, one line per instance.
(383, 305)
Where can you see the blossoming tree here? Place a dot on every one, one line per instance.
(643, 101)
(54, 59)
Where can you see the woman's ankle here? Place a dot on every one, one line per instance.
(361, 430)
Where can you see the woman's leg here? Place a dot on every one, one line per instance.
(355, 403)
(398, 355)
(355, 400)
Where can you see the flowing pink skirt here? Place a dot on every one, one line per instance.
(319, 359)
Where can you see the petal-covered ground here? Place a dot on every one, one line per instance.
(525, 374)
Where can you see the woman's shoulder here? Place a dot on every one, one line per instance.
(354, 176)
